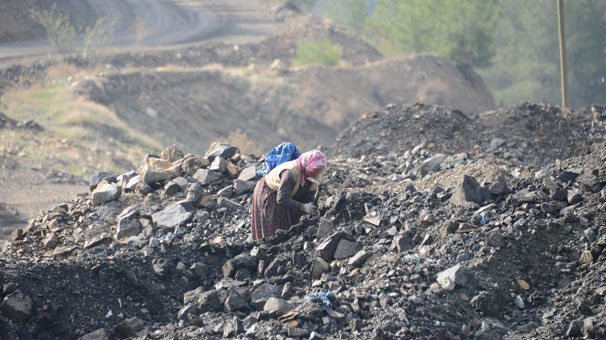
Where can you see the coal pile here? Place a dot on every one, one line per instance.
(526, 134)
(397, 128)
(399, 251)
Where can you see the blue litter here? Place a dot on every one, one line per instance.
(322, 298)
(482, 221)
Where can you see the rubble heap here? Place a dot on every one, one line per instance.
(529, 134)
(163, 252)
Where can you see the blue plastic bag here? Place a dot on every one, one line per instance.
(282, 153)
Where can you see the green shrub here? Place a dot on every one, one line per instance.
(317, 52)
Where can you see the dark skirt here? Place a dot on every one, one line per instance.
(267, 215)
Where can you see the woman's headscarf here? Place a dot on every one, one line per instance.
(309, 162)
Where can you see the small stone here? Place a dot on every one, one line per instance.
(232, 327)
(185, 311)
(345, 249)
(225, 192)
(519, 302)
(173, 215)
(359, 258)
(248, 173)
(297, 332)
(129, 327)
(455, 274)
(206, 177)
(318, 267)
(286, 291)
(277, 306)
(97, 178)
(235, 303)
(494, 238)
(219, 164)
(590, 235)
(325, 228)
(17, 234)
(51, 241)
(16, 305)
(499, 187)
(229, 204)
(447, 284)
(468, 190)
(242, 187)
(401, 243)
(99, 334)
(265, 291)
(575, 196)
(171, 188)
(433, 163)
(127, 228)
(105, 192)
(575, 328)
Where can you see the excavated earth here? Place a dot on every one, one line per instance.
(444, 232)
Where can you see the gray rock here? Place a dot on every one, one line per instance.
(123, 179)
(17, 235)
(468, 190)
(456, 274)
(16, 305)
(173, 215)
(575, 329)
(242, 187)
(327, 248)
(241, 261)
(226, 192)
(206, 177)
(129, 327)
(433, 163)
(105, 192)
(286, 290)
(265, 291)
(208, 301)
(127, 228)
(132, 183)
(277, 306)
(575, 196)
(235, 303)
(99, 334)
(219, 164)
(345, 249)
(401, 243)
(51, 241)
(232, 327)
(296, 332)
(494, 238)
(248, 173)
(523, 196)
(325, 228)
(229, 204)
(499, 187)
(359, 258)
(194, 192)
(171, 188)
(488, 303)
(97, 178)
(185, 311)
(182, 182)
(318, 267)
(519, 302)
(496, 142)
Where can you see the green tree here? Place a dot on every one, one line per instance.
(349, 13)
(461, 30)
(527, 65)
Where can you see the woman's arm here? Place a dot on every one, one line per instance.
(287, 184)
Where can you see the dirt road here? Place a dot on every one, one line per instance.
(144, 24)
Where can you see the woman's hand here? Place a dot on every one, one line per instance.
(310, 208)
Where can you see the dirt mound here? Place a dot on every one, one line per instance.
(398, 128)
(531, 134)
(175, 258)
(538, 133)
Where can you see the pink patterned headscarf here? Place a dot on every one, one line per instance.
(309, 162)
